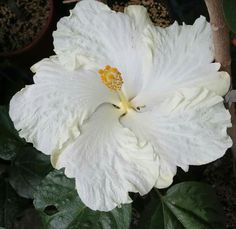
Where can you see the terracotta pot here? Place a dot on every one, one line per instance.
(41, 46)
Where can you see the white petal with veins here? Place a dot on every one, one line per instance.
(188, 128)
(108, 162)
(181, 57)
(94, 36)
(50, 112)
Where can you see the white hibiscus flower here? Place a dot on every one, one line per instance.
(123, 103)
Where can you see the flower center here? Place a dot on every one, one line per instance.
(111, 77)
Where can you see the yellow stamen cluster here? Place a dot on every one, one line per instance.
(111, 77)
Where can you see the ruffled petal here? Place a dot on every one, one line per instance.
(50, 112)
(186, 129)
(167, 172)
(107, 162)
(181, 57)
(140, 17)
(94, 36)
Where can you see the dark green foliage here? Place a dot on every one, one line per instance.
(229, 7)
(61, 207)
(12, 79)
(28, 168)
(11, 205)
(28, 165)
(190, 205)
(9, 139)
(22, 167)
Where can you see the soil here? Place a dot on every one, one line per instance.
(21, 22)
(222, 176)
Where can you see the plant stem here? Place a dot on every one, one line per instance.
(222, 51)
(158, 193)
(220, 34)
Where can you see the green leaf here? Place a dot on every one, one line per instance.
(188, 205)
(28, 168)
(61, 207)
(11, 205)
(229, 7)
(9, 139)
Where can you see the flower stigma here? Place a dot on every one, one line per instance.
(112, 78)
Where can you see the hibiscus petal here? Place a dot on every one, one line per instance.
(108, 162)
(186, 129)
(139, 15)
(94, 36)
(167, 172)
(49, 112)
(180, 57)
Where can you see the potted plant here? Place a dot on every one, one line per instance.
(24, 24)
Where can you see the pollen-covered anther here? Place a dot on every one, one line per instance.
(111, 77)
